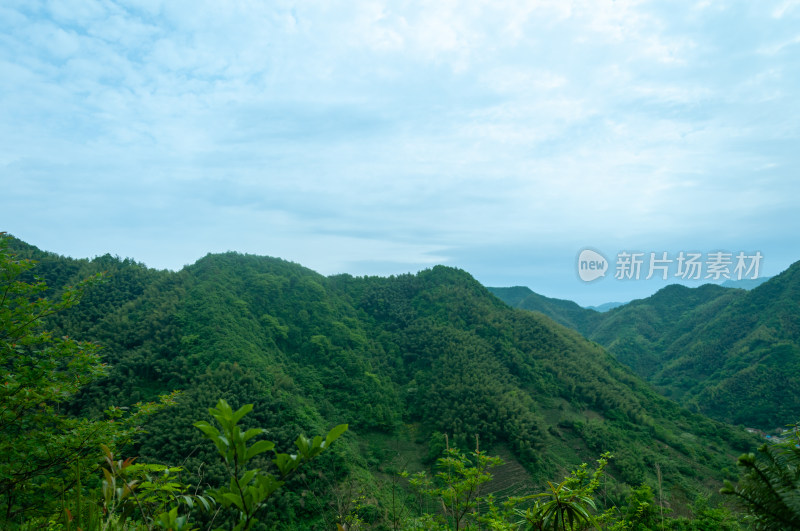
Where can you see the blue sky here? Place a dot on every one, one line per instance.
(374, 137)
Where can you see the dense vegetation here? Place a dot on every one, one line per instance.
(402, 360)
(731, 354)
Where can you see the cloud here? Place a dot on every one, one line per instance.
(387, 134)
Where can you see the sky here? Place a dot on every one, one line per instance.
(379, 137)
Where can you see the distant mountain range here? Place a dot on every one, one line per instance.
(729, 353)
(605, 306)
(412, 357)
(746, 283)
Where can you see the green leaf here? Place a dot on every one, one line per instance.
(286, 463)
(267, 484)
(303, 444)
(252, 432)
(241, 412)
(210, 431)
(335, 433)
(257, 448)
(248, 477)
(234, 499)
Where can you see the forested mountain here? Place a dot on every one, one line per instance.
(729, 353)
(606, 306)
(403, 360)
(562, 311)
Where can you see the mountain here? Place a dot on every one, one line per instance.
(606, 306)
(743, 363)
(639, 332)
(747, 283)
(562, 311)
(728, 353)
(403, 360)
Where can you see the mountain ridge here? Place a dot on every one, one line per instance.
(727, 352)
(434, 353)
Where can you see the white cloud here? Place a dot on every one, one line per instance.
(396, 132)
(775, 48)
(785, 7)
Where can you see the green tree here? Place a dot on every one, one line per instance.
(41, 446)
(641, 511)
(566, 506)
(564, 509)
(143, 496)
(769, 489)
(457, 484)
(250, 488)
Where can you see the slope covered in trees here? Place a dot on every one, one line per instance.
(562, 311)
(409, 357)
(731, 354)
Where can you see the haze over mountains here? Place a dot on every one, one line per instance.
(407, 359)
(605, 306)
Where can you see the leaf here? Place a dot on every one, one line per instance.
(188, 501)
(252, 432)
(267, 484)
(234, 499)
(257, 448)
(241, 412)
(286, 463)
(206, 501)
(248, 477)
(335, 433)
(302, 442)
(210, 431)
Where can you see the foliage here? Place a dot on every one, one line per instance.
(640, 510)
(249, 489)
(770, 485)
(706, 517)
(434, 351)
(731, 354)
(570, 505)
(456, 485)
(41, 446)
(567, 504)
(149, 494)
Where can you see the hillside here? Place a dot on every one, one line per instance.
(562, 311)
(728, 353)
(743, 362)
(606, 306)
(640, 332)
(402, 359)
